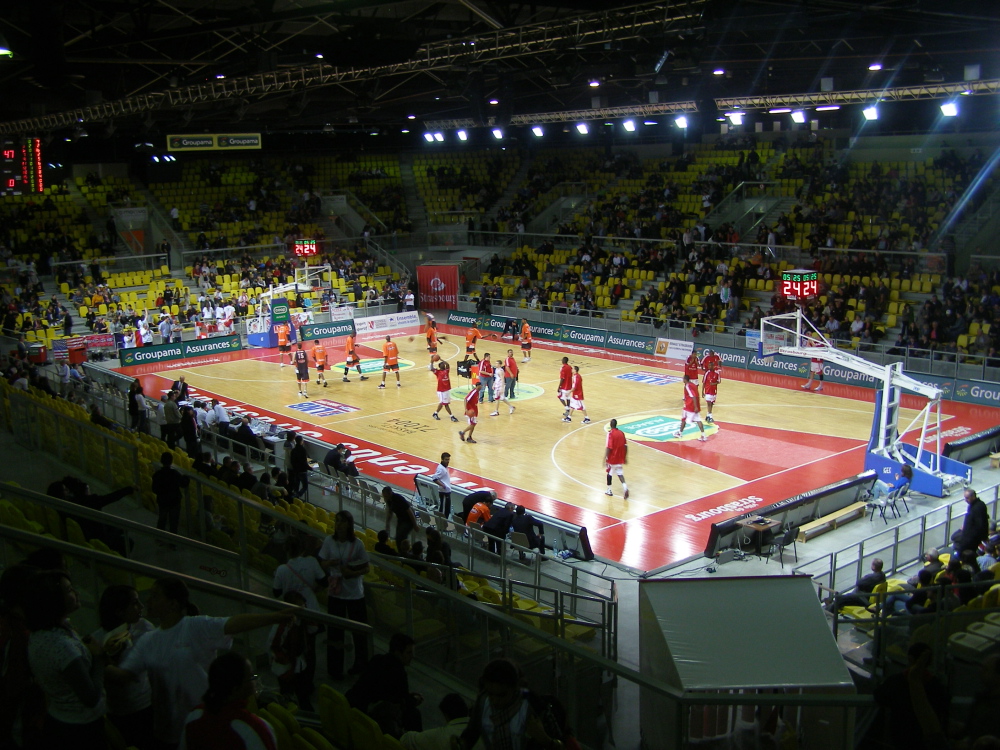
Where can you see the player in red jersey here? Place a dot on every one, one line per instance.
(443, 391)
(565, 387)
(816, 368)
(711, 361)
(472, 413)
(615, 457)
(691, 367)
(576, 396)
(692, 409)
(710, 389)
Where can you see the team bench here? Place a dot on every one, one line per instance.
(559, 534)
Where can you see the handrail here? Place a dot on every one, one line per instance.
(351, 195)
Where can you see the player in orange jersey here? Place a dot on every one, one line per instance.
(390, 356)
(283, 346)
(432, 341)
(471, 336)
(351, 359)
(319, 357)
(525, 340)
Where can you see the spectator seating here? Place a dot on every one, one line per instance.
(463, 182)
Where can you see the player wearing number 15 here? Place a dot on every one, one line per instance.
(390, 355)
(302, 370)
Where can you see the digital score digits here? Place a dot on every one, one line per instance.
(21, 167)
(304, 247)
(800, 284)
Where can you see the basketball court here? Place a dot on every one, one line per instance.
(771, 439)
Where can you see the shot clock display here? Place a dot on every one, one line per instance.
(799, 283)
(304, 247)
(21, 168)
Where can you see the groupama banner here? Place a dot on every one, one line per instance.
(185, 350)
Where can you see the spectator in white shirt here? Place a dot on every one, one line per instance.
(222, 418)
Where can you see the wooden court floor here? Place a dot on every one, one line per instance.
(771, 440)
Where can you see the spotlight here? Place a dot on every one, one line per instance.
(582, 128)
(497, 133)
(798, 116)
(220, 76)
(411, 117)
(405, 130)
(429, 137)
(949, 109)
(780, 111)
(319, 55)
(870, 113)
(875, 66)
(156, 159)
(594, 84)
(494, 101)
(439, 137)
(629, 125)
(718, 72)
(736, 118)
(828, 108)
(537, 130)
(649, 122)
(681, 121)
(462, 135)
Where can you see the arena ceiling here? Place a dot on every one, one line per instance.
(156, 66)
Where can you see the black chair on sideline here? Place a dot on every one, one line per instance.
(779, 546)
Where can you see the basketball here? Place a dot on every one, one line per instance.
(411, 339)
(435, 357)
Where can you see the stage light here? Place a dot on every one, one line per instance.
(497, 133)
(779, 111)
(429, 137)
(681, 122)
(594, 84)
(411, 117)
(949, 109)
(582, 128)
(870, 113)
(736, 118)
(718, 72)
(828, 108)
(875, 67)
(462, 135)
(537, 130)
(494, 101)
(156, 159)
(319, 55)
(650, 122)
(404, 130)
(629, 125)
(439, 137)
(798, 116)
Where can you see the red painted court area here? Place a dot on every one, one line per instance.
(774, 463)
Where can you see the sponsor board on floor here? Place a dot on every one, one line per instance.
(322, 407)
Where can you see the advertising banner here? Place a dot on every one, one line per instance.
(327, 330)
(214, 142)
(466, 319)
(547, 331)
(438, 286)
(341, 313)
(386, 323)
(584, 336)
(780, 364)
(975, 392)
(673, 349)
(627, 342)
(184, 350)
(280, 311)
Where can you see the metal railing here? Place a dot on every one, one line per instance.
(117, 263)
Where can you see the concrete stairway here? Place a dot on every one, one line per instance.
(415, 210)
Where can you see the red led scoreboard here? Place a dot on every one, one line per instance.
(305, 247)
(21, 167)
(800, 283)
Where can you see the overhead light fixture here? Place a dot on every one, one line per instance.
(429, 137)
(538, 131)
(828, 108)
(582, 128)
(494, 101)
(404, 130)
(319, 55)
(736, 118)
(681, 121)
(497, 133)
(650, 122)
(594, 83)
(5, 50)
(80, 133)
(220, 75)
(629, 125)
(462, 135)
(798, 116)
(967, 92)
(870, 113)
(719, 72)
(411, 117)
(779, 111)
(439, 137)
(949, 109)
(875, 66)
(156, 159)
